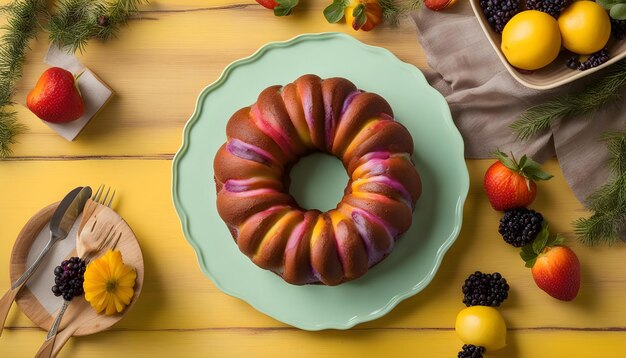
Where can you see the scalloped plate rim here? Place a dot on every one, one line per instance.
(397, 298)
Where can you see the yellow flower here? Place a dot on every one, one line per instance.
(109, 283)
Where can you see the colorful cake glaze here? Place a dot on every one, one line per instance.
(252, 180)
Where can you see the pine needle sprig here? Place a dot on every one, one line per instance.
(608, 203)
(77, 21)
(23, 18)
(540, 117)
(119, 12)
(73, 24)
(394, 10)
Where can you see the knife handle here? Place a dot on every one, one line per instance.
(5, 305)
(9, 297)
(46, 349)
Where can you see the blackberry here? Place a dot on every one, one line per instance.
(499, 12)
(573, 62)
(595, 60)
(618, 28)
(471, 351)
(483, 289)
(521, 226)
(550, 7)
(68, 278)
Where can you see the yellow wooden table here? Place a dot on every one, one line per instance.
(157, 68)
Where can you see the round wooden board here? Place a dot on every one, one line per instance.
(80, 314)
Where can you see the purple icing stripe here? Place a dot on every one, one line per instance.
(348, 101)
(240, 185)
(277, 134)
(375, 219)
(307, 107)
(329, 123)
(394, 184)
(361, 218)
(248, 152)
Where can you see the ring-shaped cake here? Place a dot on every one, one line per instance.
(252, 180)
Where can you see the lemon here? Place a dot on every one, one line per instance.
(481, 326)
(585, 27)
(531, 40)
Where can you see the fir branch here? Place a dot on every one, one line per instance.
(73, 24)
(77, 21)
(9, 129)
(540, 117)
(116, 15)
(608, 203)
(21, 26)
(394, 10)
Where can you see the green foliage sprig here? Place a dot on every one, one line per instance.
(23, 18)
(540, 117)
(608, 203)
(394, 10)
(71, 25)
(77, 21)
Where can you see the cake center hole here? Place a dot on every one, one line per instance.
(318, 181)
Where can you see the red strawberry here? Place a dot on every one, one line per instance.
(438, 5)
(510, 184)
(56, 97)
(555, 268)
(280, 7)
(270, 4)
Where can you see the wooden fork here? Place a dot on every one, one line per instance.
(97, 232)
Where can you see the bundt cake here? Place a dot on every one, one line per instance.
(252, 180)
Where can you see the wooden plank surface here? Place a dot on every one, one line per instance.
(157, 67)
(178, 298)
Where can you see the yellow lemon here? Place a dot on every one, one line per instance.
(481, 326)
(531, 40)
(585, 27)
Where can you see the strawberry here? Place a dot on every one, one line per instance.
(56, 97)
(555, 268)
(280, 7)
(438, 5)
(511, 184)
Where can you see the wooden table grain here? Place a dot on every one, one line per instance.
(157, 67)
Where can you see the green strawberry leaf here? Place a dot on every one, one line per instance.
(618, 11)
(541, 240)
(335, 11)
(504, 159)
(526, 167)
(527, 252)
(531, 263)
(522, 161)
(528, 255)
(557, 240)
(359, 17)
(532, 170)
(536, 173)
(284, 7)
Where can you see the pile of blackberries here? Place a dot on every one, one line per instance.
(68, 278)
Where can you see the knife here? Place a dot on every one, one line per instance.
(60, 225)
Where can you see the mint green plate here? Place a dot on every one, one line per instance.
(438, 157)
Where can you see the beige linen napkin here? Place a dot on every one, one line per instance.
(485, 100)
